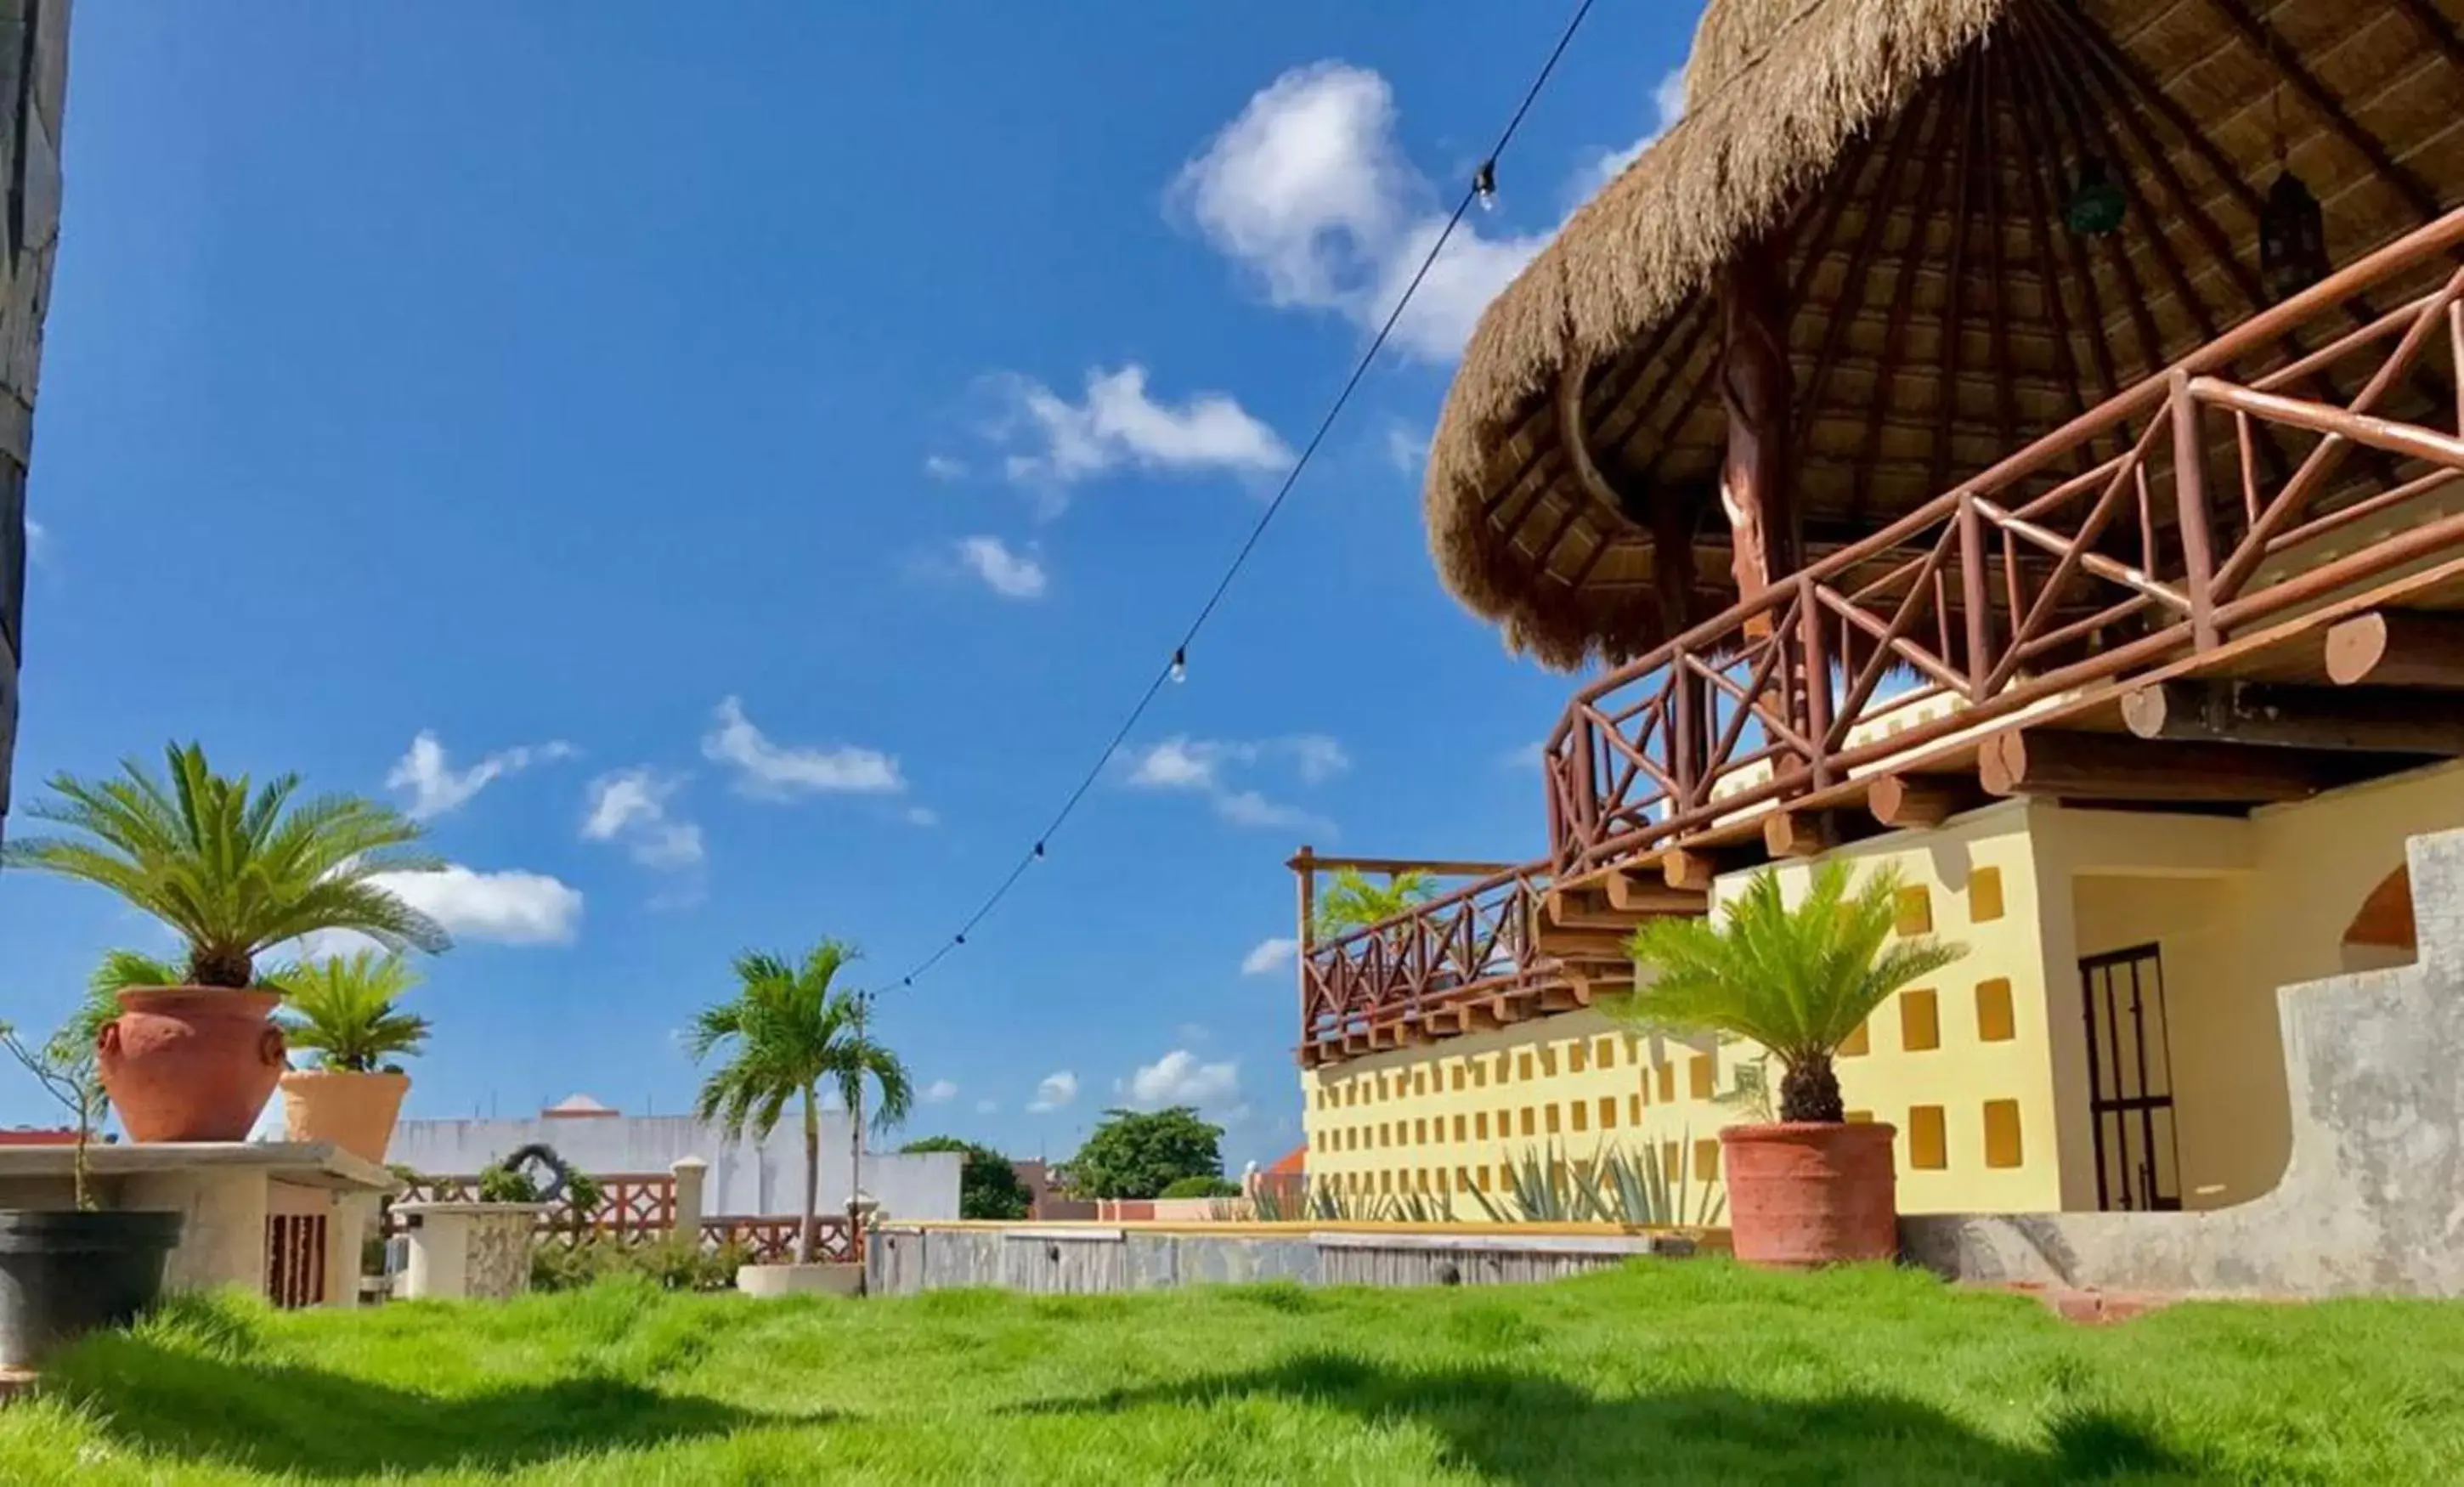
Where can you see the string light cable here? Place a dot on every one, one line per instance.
(1482, 190)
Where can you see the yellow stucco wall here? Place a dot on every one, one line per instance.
(2236, 908)
(1436, 1119)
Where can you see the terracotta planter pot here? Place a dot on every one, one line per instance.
(191, 1063)
(1802, 1194)
(354, 1111)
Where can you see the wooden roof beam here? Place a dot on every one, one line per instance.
(2104, 767)
(1904, 802)
(2397, 648)
(2374, 719)
(2274, 49)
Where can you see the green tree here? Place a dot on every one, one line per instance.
(1139, 1154)
(784, 1036)
(1354, 901)
(233, 873)
(1799, 982)
(989, 1186)
(342, 1010)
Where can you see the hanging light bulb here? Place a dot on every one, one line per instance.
(2096, 205)
(2291, 228)
(1180, 663)
(1484, 186)
(1039, 849)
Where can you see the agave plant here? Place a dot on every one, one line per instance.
(342, 1010)
(1798, 980)
(1613, 1188)
(235, 872)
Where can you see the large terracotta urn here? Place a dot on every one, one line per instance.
(191, 1063)
(354, 1111)
(1806, 1193)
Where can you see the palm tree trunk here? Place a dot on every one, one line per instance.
(812, 1180)
(1809, 1091)
(856, 1165)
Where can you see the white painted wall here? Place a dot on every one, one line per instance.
(764, 1179)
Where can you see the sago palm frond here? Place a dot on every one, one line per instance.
(234, 871)
(342, 1009)
(1798, 980)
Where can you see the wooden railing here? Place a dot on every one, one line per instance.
(1470, 942)
(641, 1206)
(772, 1239)
(2102, 550)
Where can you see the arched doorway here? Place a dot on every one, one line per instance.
(2381, 934)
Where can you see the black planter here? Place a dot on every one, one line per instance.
(62, 1274)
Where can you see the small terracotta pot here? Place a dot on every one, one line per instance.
(191, 1063)
(1811, 1193)
(354, 1111)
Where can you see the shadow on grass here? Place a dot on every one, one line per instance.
(312, 1423)
(1531, 1428)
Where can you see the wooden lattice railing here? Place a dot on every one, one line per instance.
(2098, 553)
(641, 1206)
(2102, 551)
(1471, 942)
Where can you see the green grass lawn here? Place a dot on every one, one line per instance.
(1691, 1371)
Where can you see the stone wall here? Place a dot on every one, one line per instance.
(2372, 1199)
(34, 85)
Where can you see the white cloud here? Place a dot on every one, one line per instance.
(435, 787)
(940, 1092)
(1524, 755)
(1119, 426)
(38, 541)
(631, 807)
(1249, 807)
(1205, 766)
(507, 908)
(1055, 1090)
(1407, 448)
(987, 1107)
(1179, 1078)
(1269, 955)
(1309, 191)
(941, 467)
(773, 772)
(923, 815)
(1668, 105)
(1008, 573)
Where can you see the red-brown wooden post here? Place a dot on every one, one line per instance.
(1304, 866)
(1817, 678)
(2190, 499)
(1972, 595)
(1756, 389)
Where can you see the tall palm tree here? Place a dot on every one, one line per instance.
(1799, 982)
(233, 873)
(342, 1010)
(785, 1034)
(1353, 901)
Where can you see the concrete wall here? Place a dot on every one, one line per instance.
(2373, 1185)
(1095, 1259)
(34, 88)
(750, 1178)
(2237, 909)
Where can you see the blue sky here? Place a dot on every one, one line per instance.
(728, 468)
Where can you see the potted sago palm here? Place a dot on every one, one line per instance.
(235, 872)
(342, 1010)
(1809, 1188)
(67, 1272)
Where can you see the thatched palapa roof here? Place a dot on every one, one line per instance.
(1907, 164)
